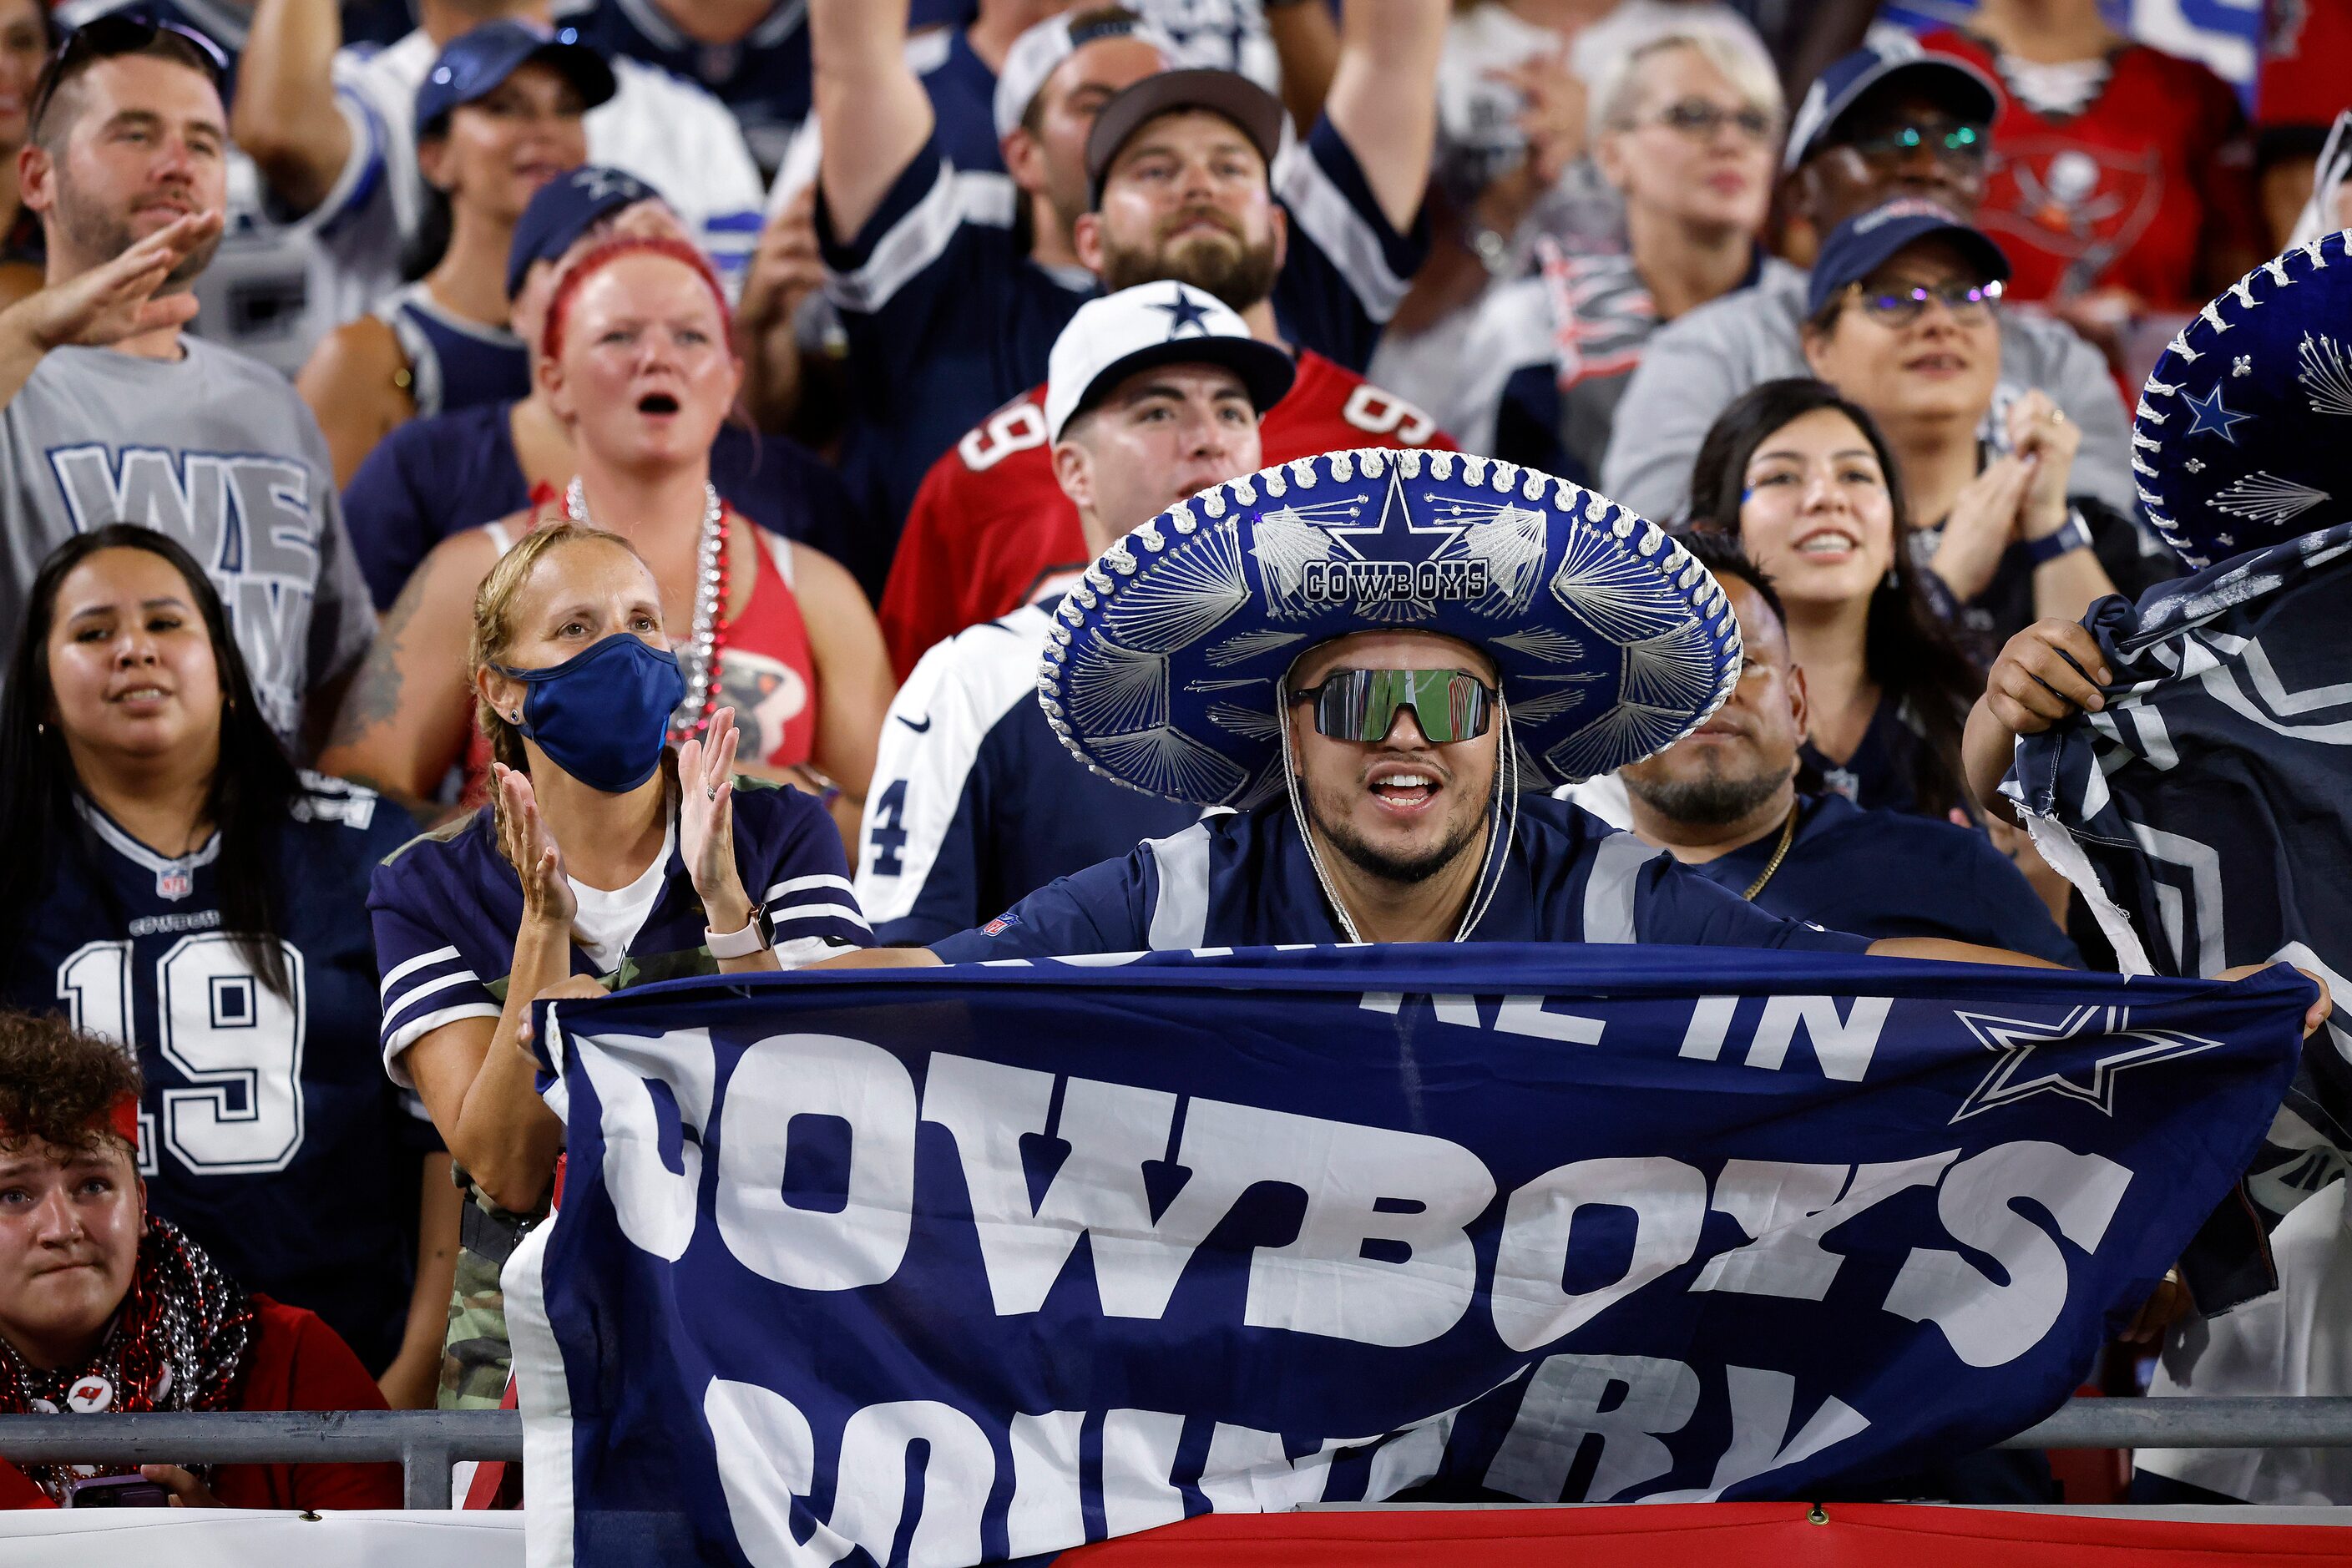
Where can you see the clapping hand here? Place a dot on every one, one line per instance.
(706, 821)
(1981, 525)
(109, 303)
(532, 850)
(2045, 440)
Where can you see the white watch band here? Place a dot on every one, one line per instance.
(737, 943)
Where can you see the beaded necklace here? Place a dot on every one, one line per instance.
(707, 640)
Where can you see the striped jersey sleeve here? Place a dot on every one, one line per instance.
(791, 858)
(1347, 268)
(427, 982)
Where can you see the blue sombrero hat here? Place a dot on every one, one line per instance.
(2240, 438)
(1166, 657)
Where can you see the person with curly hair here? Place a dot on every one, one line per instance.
(105, 1307)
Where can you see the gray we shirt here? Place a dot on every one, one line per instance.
(1692, 367)
(217, 451)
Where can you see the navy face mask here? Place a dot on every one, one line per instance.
(602, 714)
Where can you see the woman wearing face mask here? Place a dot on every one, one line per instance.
(603, 853)
(1803, 480)
(105, 1307)
(1901, 320)
(498, 117)
(176, 885)
(636, 361)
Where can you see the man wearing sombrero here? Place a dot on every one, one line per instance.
(1375, 659)
(2183, 761)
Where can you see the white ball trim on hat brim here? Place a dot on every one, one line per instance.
(1674, 563)
(2158, 398)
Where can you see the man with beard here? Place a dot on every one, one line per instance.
(952, 298)
(1724, 802)
(1158, 392)
(114, 415)
(990, 530)
(1376, 658)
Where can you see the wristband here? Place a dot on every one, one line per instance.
(2073, 534)
(742, 943)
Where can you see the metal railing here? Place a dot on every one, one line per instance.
(426, 1443)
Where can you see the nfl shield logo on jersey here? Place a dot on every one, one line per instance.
(174, 882)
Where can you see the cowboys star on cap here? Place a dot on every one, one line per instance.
(1184, 311)
(597, 184)
(2117, 1048)
(2209, 417)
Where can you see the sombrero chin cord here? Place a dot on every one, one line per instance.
(1502, 819)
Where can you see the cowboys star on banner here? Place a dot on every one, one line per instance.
(966, 1264)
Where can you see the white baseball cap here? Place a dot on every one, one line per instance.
(1035, 53)
(1164, 322)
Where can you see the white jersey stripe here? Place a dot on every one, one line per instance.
(402, 971)
(1323, 212)
(918, 240)
(1609, 888)
(1180, 914)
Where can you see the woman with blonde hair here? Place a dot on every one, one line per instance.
(637, 364)
(605, 854)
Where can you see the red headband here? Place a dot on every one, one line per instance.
(567, 289)
(122, 1119)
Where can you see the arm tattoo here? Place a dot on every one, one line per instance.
(373, 700)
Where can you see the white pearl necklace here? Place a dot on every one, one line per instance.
(701, 661)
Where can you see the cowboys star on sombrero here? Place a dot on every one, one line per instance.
(1380, 661)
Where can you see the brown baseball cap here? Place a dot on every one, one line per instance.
(1255, 111)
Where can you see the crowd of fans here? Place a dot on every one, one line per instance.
(460, 400)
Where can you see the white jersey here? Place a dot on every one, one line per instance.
(664, 130)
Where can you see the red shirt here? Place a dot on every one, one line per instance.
(991, 524)
(2305, 46)
(296, 1363)
(2124, 194)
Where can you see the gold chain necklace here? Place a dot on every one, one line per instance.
(1779, 853)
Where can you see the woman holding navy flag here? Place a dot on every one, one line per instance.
(604, 854)
(174, 883)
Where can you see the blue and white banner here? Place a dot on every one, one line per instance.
(960, 1265)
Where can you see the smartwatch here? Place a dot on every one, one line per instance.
(751, 938)
(2073, 534)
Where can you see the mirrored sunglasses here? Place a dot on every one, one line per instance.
(1361, 705)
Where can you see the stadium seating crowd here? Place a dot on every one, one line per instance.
(366, 369)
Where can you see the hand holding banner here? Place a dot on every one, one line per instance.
(987, 1262)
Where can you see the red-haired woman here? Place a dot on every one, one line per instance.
(635, 361)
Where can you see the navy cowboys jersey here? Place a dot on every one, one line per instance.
(446, 908)
(949, 320)
(1244, 880)
(974, 804)
(762, 76)
(268, 1133)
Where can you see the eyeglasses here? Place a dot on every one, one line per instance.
(1968, 302)
(1361, 705)
(1948, 140)
(104, 37)
(1699, 120)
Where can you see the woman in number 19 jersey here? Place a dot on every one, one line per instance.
(174, 883)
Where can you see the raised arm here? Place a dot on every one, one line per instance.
(869, 103)
(1383, 97)
(286, 117)
(109, 304)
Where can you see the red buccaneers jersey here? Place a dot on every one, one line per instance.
(2120, 195)
(990, 525)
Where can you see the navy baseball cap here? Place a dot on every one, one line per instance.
(1861, 245)
(1958, 86)
(475, 63)
(561, 210)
